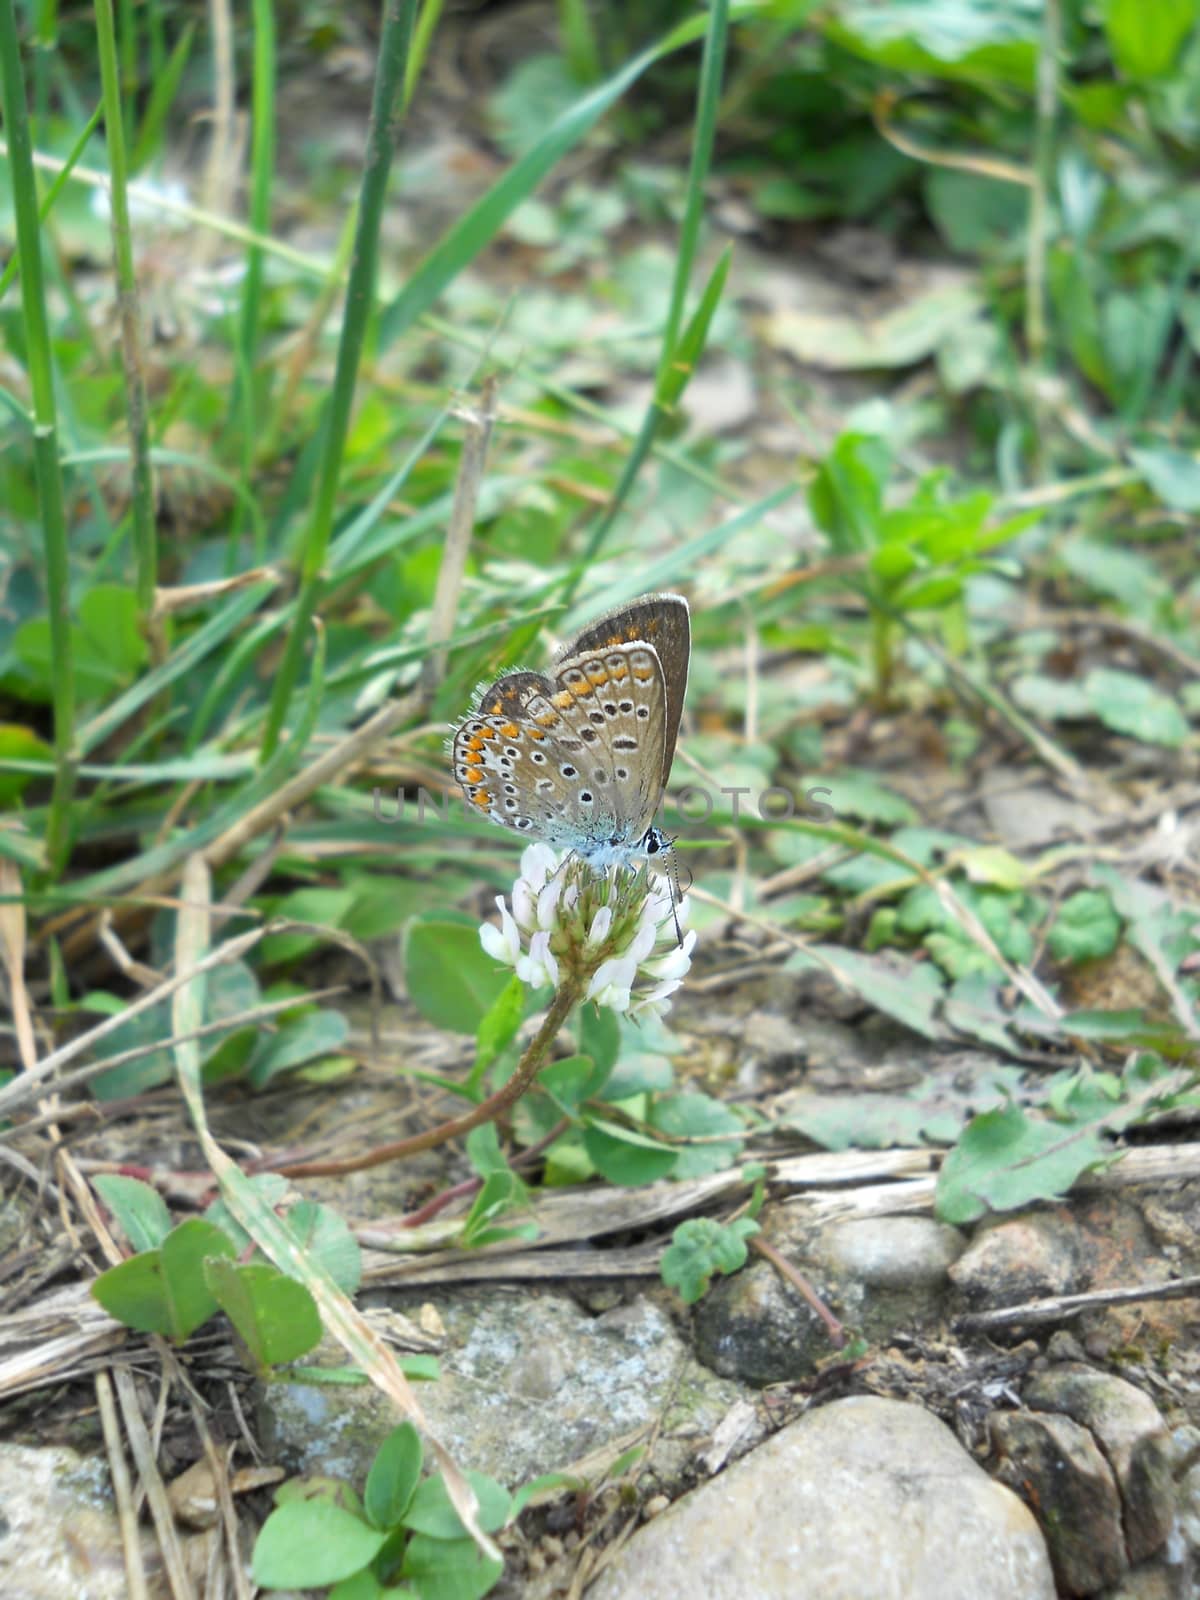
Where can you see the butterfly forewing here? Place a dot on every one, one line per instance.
(662, 621)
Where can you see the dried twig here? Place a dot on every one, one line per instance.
(1061, 1307)
(118, 1471)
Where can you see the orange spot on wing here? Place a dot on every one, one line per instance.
(564, 699)
(535, 733)
(643, 674)
(497, 706)
(474, 774)
(511, 731)
(598, 673)
(482, 799)
(489, 733)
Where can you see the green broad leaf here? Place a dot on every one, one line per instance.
(164, 1290)
(146, 1071)
(902, 337)
(18, 743)
(992, 865)
(276, 1317)
(699, 1248)
(1007, 1159)
(365, 1585)
(327, 1238)
(570, 1082)
(1006, 918)
(1125, 575)
(230, 1058)
(1173, 475)
(498, 1027)
(140, 1209)
(394, 1476)
(231, 990)
(484, 1152)
(872, 1121)
(958, 955)
(1086, 927)
(952, 39)
(928, 594)
(1129, 705)
(420, 1369)
(307, 1543)
(324, 906)
(301, 1039)
(449, 1569)
(625, 1157)
(1145, 40)
(846, 496)
(908, 991)
(860, 795)
(973, 215)
(451, 980)
(107, 646)
(432, 1514)
(698, 1116)
(1053, 699)
(184, 1252)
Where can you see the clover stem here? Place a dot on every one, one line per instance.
(532, 1061)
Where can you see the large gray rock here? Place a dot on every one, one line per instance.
(864, 1499)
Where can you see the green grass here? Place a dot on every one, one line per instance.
(227, 500)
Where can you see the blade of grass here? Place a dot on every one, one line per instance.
(579, 46)
(431, 14)
(45, 434)
(262, 169)
(483, 221)
(389, 79)
(162, 99)
(674, 372)
(142, 488)
(56, 186)
(195, 648)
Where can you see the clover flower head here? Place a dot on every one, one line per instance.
(612, 933)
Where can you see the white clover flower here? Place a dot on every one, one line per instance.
(504, 942)
(613, 934)
(539, 967)
(612, 982)
(538, 861)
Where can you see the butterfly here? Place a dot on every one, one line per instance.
(580, 759)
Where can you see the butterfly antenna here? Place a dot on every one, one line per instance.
(676, 896)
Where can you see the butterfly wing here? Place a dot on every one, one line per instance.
(660, 620)
(613, 702)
